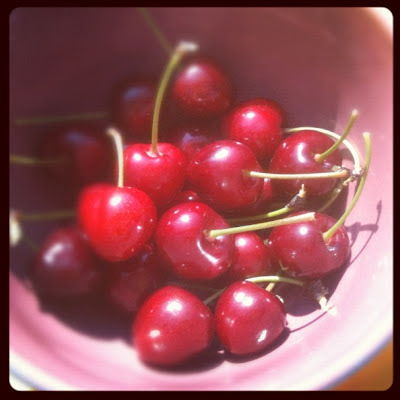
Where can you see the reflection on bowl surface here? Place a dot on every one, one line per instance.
(319, 64)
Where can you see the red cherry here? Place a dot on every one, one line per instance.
(253, 258)
(185, 196)
(248, 318)
(301, 250)
(182, 240)
(133, 280)
(117, 220)
(202, 89)
(133, 106)
(172, 326)
(217, 173)
(81, 153)
(296, 154)
(257, 123)
(65, 265)
(160, 175)
(191, 138)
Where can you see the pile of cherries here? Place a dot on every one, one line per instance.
(227, 201)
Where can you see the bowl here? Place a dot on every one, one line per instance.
(319, 64)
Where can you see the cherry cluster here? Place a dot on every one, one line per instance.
(201, 208)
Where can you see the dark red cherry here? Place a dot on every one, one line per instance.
(65, 265)
(264, 202)
(296, 155)
(171, 327)
(81, 153)
(248, 318)
(160, 175)
(253, 258)
(182, 241)
(217, 173)
(257, 123)
(133, 106)
(302, 251)
(184, 196)
(118, 221)
(191, 138)
(133, 280)
(202, 89)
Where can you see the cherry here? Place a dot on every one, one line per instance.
(160, 175)
(201, 89)
(248, 318)
(191, 138)
(133, 280)
(65, 265)
(253, 258)
(118, 220)
(182, 241)
(159, 169)
(257, 123)
(216, 174)
(185, 196)
(296, 154)
(77, 153)
(133, 106)
(302, 251)
(171, 327)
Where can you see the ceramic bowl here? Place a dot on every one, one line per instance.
(319, 64)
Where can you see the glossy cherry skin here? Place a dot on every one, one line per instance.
(182, 242)
(253, 258)
(185, 196)
(301, 250)
(191, 138)
(257, 123)
(130, 282)
(118, 221)
(172, 326)
(217, 173)
(133, 106)
(84, 152)
(295, 155)
(248, 318)
(65, 265)
(161, 176)
(202, 89)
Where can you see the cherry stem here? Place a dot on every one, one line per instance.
(177, 55)
(340, 173)
(333, 195)
(46, 216)
(117, 137)
(155, 29)
(257, 279)
(51, 119)
(331, 231)
(320, 157)
(350, 147)
(31, 161)
(263, 225)
(272, 214)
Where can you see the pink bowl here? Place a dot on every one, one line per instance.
(319, 64)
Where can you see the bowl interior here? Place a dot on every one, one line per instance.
(319, 64)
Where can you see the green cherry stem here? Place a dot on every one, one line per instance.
(54, 119)
(333, 195)
(292, 205)
(213, 233)
(322, 156)
(32, 161)
(180, 51)
(155, 29)
(257, 279)
(330, 232)
(339, 173)
(119, 148)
